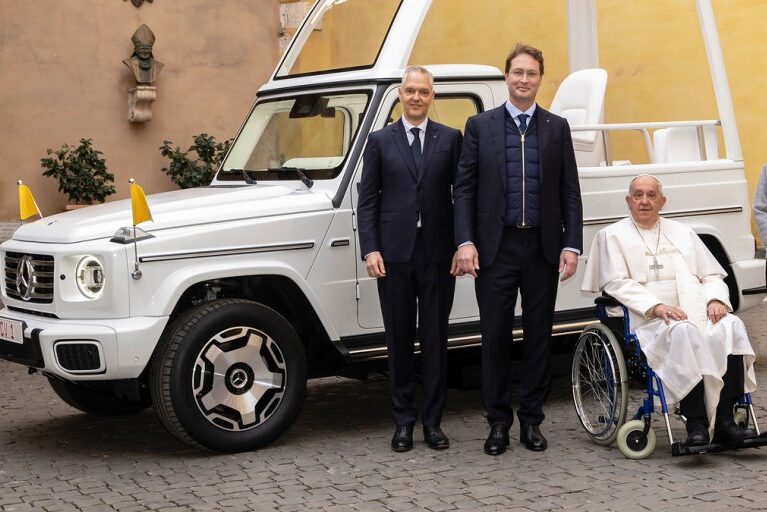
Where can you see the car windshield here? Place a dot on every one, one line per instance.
(309, 132)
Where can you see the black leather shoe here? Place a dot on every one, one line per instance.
(402, 440)
(435, 438)
(498, 439)
(531, 437)
(726, 431)
(697, 434)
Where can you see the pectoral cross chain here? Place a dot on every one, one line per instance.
(655, 265)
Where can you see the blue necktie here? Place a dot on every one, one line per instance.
(415, 148)
(522, 122)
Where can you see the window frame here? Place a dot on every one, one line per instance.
(223, 175)
(288, 75)
(478, 103)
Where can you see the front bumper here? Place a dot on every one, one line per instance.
(125, 345)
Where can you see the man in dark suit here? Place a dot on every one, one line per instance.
(405, 214)
(518, 222)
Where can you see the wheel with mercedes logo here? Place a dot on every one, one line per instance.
(229, 375)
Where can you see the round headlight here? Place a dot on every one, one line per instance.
(90, 277)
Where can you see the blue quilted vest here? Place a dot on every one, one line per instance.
(523, 175)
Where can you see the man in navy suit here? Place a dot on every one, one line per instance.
(406, 235)
(518, 222)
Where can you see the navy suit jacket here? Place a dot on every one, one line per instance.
(480, 186)
(393, 193)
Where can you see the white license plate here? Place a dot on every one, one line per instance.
(11, 330)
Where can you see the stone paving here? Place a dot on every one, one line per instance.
(336, 458)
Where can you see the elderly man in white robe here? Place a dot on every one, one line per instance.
(679, 306)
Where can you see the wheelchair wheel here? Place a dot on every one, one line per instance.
(600, 383)
(633, 442)
(741, 418)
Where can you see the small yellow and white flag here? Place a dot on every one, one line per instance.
(138, 204)
(27, 205)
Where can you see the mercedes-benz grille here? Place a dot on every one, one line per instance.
(29, 277)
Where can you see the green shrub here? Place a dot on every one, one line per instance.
(81, 172)
(188, 173)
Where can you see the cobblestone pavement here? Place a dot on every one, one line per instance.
(336, 458)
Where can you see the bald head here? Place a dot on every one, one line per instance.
(645, 200)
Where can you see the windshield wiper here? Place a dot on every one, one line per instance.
(308, 182)
(245, 174)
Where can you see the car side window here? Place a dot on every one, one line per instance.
(451, 110)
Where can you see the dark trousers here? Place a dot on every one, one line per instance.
(424, 289)
(519, 267)
(693, 406)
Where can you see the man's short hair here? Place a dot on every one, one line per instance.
(417, 69)
(520, 49)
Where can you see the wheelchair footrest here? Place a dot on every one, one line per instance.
(679, 448)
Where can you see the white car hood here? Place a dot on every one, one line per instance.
(175, 209)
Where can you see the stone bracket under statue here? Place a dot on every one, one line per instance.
(140, 99)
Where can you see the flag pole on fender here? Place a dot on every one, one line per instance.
(141, 213)
(27, 204)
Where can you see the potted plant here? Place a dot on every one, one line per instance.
(186, 172)
(81, 172)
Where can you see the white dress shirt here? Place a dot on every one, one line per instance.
(421, 134)
(514, 111)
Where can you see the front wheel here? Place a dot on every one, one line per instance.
(633, 442)
(230, 375)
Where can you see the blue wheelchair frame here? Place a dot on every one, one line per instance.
(655, 389)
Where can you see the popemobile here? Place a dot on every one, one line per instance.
(217, 310)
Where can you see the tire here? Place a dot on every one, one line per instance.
(633, 443)
(90, 401)
(229, 376)
(600, 383)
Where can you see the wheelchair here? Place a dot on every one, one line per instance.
(607, 357)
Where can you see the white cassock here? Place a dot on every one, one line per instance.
(685, 274)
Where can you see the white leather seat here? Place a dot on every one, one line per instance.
(580, 99)
(680, 144)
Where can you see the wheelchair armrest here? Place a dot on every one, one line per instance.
(606, 301)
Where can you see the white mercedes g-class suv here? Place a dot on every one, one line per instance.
(255, 283)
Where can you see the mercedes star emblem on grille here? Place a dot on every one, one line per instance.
(25, 277)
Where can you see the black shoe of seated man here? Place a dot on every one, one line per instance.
(726, 431)
(697, 434)
(402, 440)
(497, 440)
(435, 438)
(531, 437)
